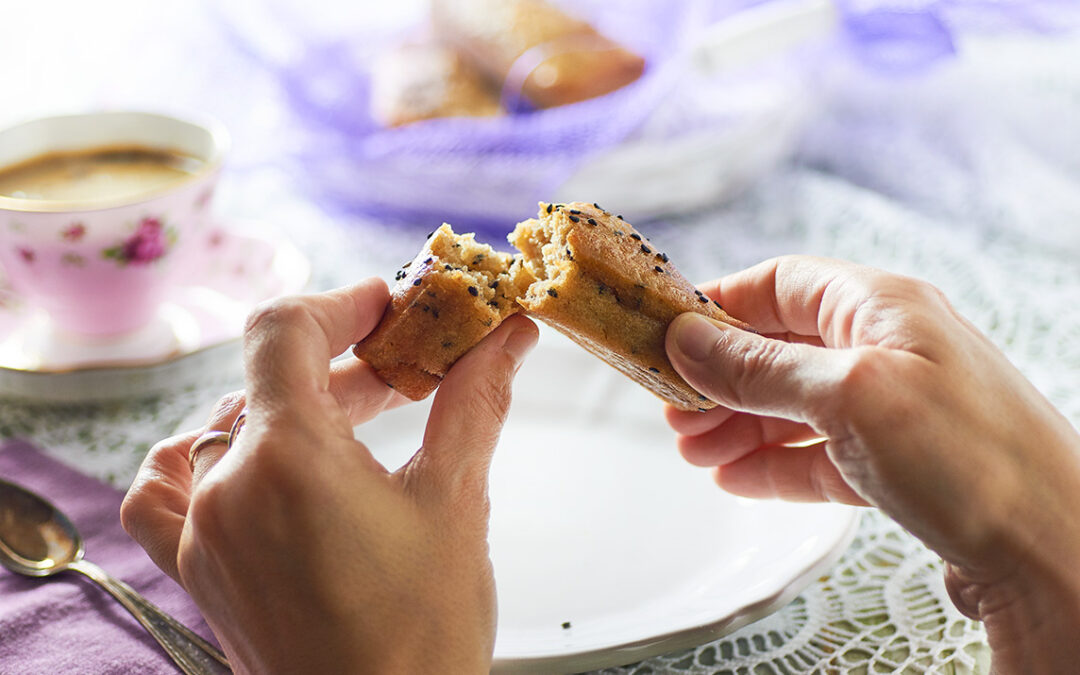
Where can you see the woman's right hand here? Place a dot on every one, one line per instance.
(915, 412)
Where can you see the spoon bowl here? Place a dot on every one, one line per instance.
(38, 540)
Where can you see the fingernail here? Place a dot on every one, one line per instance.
(520, 343)
(695, 336)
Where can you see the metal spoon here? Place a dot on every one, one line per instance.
(37, 540)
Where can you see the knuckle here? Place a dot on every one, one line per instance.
(228, 403)
(855, 385)
(209, 511)
(277, 312)
(911, 289)
(879, 390)
(756, 358)
(131, 511)
(490, 402)
(140, 497)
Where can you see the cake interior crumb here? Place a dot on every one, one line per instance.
(545, 252)
(494, 275)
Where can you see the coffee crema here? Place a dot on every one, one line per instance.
(113, 172)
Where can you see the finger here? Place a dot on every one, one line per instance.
(361, 393)
(468, 412)
(740, 435)
(800, 295)
(794, 474)
(753, 373)
(289, 342)
(221, 420)
(156, 504)
(963, 591)
(694, 422)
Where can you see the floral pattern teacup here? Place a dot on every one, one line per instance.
(102, 269)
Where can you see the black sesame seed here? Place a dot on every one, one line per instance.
(549, 208)
(575, 212)
(701, 409)
(591, 221)
(473, 292)
(389, 385)
(416, 282)
(427, 308)
(619, 217)
(494, 284)
(434, 312)
(428, 261)
(658, 269)
(552, 292)
(493, 303)
(575, 219)
(645, 249)
(702, 298)
(430, 233)
(488, 322)
(447, 268)
(718, 304)
(597, 206)
(654, 370)
(698, 292)
(635, 236)
(565, 624)
(447, 344)
(700, 397)
(663, 256)
(618, 233)
(406, 265)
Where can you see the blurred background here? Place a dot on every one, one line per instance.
(955, 108)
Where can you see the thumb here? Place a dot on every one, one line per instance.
(749, 372)
(467, 416)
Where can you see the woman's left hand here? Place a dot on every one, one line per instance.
(302, 551)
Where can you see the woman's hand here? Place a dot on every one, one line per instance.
(302, 551)
(869, 388)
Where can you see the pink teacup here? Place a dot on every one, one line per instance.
(100, 263)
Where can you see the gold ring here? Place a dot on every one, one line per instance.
(205, 441)
(241, 420)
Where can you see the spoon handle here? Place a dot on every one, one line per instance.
(194, 655)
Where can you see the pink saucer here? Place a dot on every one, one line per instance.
(209, 309)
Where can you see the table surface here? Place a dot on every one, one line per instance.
(1003, 246)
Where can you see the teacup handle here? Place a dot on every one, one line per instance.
(194, 655)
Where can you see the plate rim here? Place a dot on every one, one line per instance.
(771, 599)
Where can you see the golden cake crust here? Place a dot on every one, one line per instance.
(442, 305)
(607, 288)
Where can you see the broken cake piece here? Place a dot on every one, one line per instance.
(446, 300)
(603, 285)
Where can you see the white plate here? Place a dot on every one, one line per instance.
(597, 522)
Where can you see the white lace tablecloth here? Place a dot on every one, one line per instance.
(994, 222)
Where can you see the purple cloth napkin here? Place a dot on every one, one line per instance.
(67, 624)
